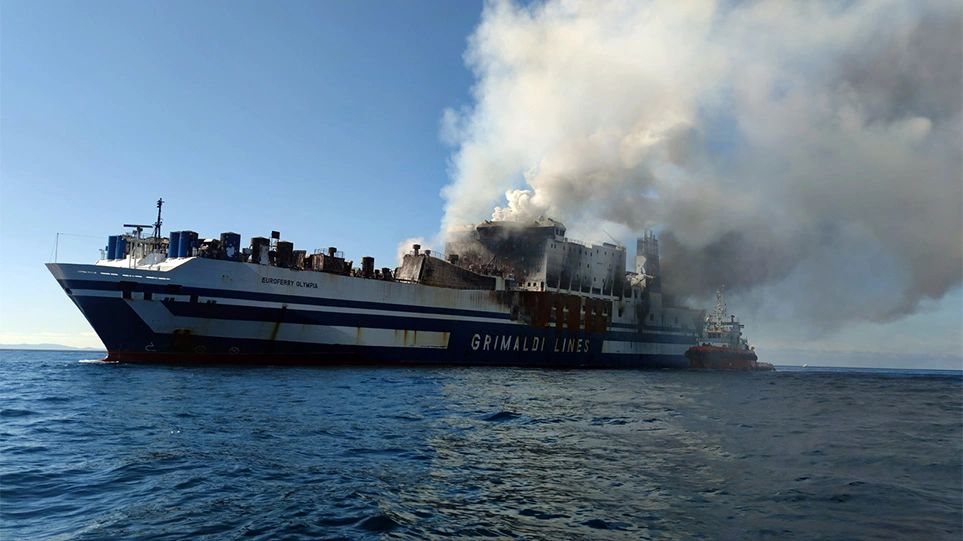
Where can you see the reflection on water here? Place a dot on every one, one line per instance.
(526, 453)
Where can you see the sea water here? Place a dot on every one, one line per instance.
(91, 450)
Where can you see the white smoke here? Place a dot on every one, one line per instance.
(407, 247)
(810, 147)
(522, 207)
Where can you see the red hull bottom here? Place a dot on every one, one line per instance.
(719, 358)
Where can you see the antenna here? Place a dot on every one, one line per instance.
(617, 243)
(156, 226)
(137, 227)
(720, 305)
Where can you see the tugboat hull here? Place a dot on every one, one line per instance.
(719, 358)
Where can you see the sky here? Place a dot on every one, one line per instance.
(831, 153)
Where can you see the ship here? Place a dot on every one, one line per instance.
(722, 345)
(504, 294)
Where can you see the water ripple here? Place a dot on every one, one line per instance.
(94, 450)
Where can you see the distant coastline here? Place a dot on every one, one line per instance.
(860, 359)
(46, 347)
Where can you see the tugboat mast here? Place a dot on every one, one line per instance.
(720, 306)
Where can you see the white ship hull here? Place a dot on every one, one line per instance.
(199, 310)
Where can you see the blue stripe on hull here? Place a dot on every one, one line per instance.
(162, 289)
(470, 343)
(629, 330)
(116, 323)
(371, 321)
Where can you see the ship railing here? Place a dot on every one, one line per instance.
(579, 242)
(72, 248)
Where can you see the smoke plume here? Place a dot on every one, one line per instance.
(808, 149)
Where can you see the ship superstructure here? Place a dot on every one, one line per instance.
(723, 329)
(505, 293)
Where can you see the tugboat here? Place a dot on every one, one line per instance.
(722, 346)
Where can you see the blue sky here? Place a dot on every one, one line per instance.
(318, 119)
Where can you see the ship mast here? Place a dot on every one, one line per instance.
(720, 307)
(157, 225)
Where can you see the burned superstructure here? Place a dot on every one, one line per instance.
(537, 256)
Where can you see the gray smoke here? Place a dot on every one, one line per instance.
(808, 149)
